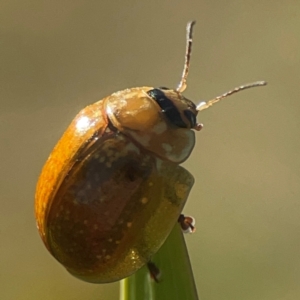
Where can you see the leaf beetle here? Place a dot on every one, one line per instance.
(113, 188)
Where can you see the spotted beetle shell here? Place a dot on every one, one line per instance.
(106, 200)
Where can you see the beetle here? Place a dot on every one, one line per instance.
(113, 188)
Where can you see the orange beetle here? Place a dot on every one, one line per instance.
(112, 188)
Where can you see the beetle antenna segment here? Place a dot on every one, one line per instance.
(189, 40)
(204, 105)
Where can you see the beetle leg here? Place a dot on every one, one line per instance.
(187, 223)
(154, 271)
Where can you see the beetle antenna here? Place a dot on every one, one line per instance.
(204, 105)
(189, 40)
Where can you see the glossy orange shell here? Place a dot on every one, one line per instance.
(104, 205)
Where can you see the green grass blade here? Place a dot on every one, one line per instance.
(177, 280)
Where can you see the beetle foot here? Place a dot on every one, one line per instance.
(154, 271)
(187, 223)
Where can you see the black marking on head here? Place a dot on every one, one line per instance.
(163, 88)
(167, 107)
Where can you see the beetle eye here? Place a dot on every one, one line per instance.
(168, 107)
(191, 117)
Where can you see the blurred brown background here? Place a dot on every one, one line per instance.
(58, 56)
